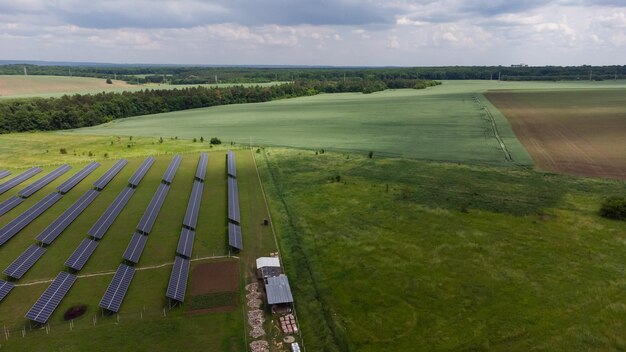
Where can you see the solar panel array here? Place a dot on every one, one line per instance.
(185, 242)
(50, 233)
(110, 214)
(51, 298)
(81, 254)
(201, 169)
(135, 248)
(141, 172)
(42, 182)
(17, 224)
(150, 215)
(77, 177)
(9, 204)
(232, 169)
(178, 280)
(169, 174)
(233, 200)
(234, 236)
(108, 176)
(5, 288)
(193, 207)
(19, 179)
(114, 295)
(4, 173)
(25, 261)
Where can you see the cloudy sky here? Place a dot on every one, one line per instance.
(316, 32)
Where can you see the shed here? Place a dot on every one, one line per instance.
(268, 266)
(278, 290)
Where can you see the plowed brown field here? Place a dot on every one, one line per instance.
(578, 132)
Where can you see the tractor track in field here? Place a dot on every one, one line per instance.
(494, 128)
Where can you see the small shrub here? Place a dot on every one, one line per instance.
(614, 208)
(195, 140)
(63, 151)
(128, 146)
(160, 140)
(106, 155)
(258, 150)
(74, 312)
(90, 153)
(201, 139)
(215, 140)
(109, 81)
(370, 154)
(111, 142)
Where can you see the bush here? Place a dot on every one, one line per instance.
(201, 139)
(614, 208)
(109, 81)
(195, 140)
(74, 312)
(63, 151)
(215, 140)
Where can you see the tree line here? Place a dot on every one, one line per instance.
(82, 110)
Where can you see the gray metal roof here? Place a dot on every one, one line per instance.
(278, 290)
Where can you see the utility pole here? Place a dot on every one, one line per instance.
(499, 75)
(25, 72)
(215, 79)
(590, 74)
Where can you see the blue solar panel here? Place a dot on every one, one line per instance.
(17, 224)
(193, 206)
(9, 204)
(19, 179)
(202, 163)
(234, 236)
(24, 262)
(5, 288)
(150, 215)
(110, 174)
(4, 173)
(42, 182)
(114, 295)
(50, 233)
(135, 248)
(178, 280)
(141, 172)
(233, 200)
(185, 242)
(51, 298)
(168, 176)
(77, 177)
(81, 254)
(232, 167)
(99, 229)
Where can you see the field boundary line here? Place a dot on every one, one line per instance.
(494, 126)
(105, 273)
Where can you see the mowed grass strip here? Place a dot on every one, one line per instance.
(141, 315)
(377, 263)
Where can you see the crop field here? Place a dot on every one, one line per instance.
(577, 132)
(142, 313)
(21, 86)
(391, 254)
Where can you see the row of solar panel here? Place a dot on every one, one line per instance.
(4, 173)
(19, 179)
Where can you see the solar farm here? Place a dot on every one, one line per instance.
(121, 237)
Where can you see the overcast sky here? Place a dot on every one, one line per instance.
(316, 32)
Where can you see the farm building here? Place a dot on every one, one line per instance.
(278, 292)
(268, 266)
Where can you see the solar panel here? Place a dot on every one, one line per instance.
(232, 168)
(135, 248)
(17, 224)
(25, 261)
(4, 173)
(42, 182)
(150, 215)
(202, 163)
(5, 288)
(77, 177)
(193, 206)
(114, 295)
(233, 200)
(178, 280)
(79, 258)
(106, 219)
(9, 204)
(141, 172)
(19, 179)
(51, 298)
(168, 176)
(234, 236)
(50, 233)
(112, 172)
(185, 242)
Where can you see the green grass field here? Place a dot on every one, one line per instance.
(407, 255)
(440, 123)
(141, 313)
